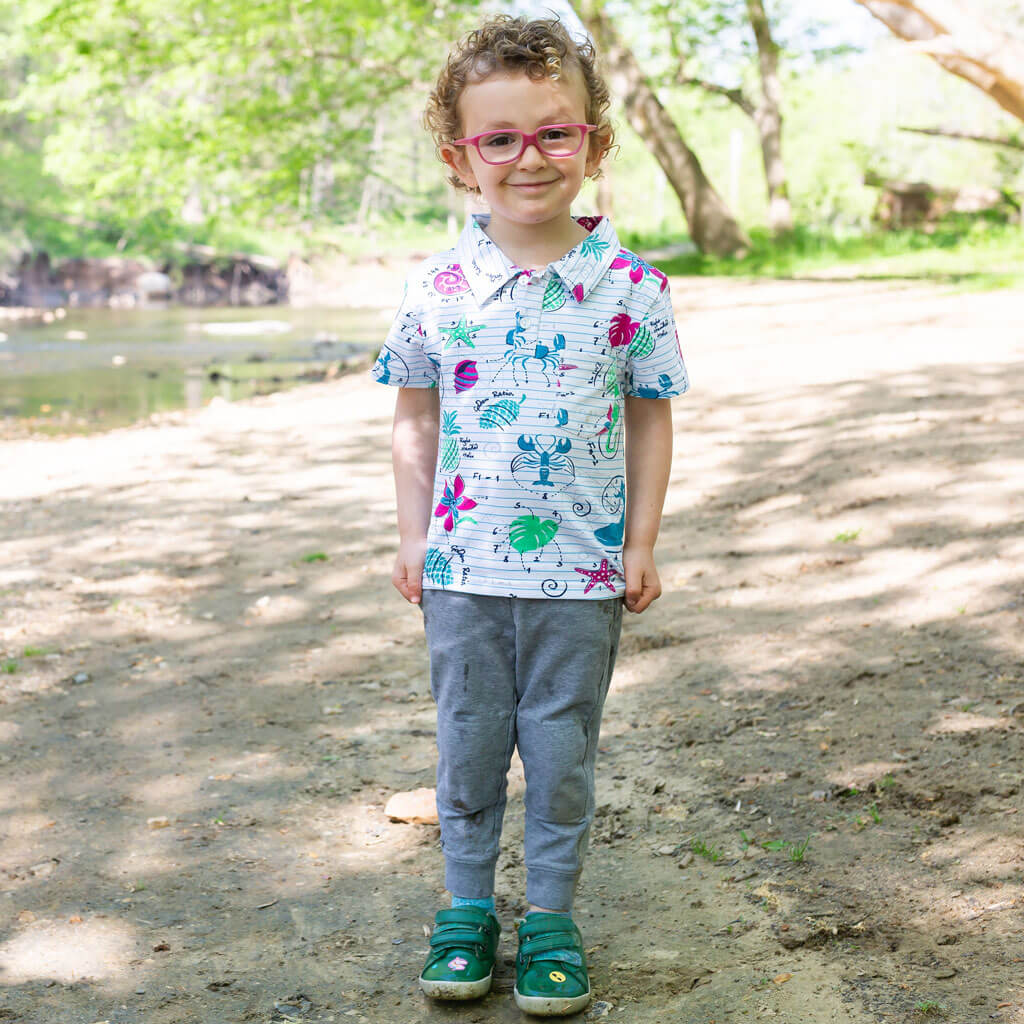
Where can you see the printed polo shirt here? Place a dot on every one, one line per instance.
(532, 367)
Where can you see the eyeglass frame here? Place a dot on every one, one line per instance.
(527, 139)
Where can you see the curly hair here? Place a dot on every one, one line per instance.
(540, 48)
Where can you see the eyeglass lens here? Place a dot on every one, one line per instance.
(504, 146)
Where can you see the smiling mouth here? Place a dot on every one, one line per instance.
(532, 184)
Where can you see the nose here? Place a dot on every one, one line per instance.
(531, 157)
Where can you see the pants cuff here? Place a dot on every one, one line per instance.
(470, 881)
(552, 890)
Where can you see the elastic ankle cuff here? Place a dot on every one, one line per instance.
(470, 881)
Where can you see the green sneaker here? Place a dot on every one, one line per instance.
(461, 960)
(551, 968)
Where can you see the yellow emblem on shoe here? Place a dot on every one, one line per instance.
(557, 976)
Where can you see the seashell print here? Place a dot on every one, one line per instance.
(500, 414)
(642, 344)
(466, 375)
(437, 568)
(555, 295)
(451, 281)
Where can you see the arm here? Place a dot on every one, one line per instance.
(648, 462)
(413, 455)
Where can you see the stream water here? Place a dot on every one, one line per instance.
(95, 369)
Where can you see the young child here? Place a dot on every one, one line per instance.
(531, 454)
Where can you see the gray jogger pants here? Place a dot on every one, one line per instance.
(532, 673)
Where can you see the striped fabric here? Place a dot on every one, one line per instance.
(532, 368)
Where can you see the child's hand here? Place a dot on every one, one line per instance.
(642, 583)
(407, 575)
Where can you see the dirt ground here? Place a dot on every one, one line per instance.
(810, 771)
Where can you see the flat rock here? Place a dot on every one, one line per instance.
(417, 807)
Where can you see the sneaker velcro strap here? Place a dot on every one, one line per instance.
(448, 938)
(475, 916)
(565, 956)
(543, 943)
(545, 924)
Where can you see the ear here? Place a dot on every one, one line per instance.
(455, 157)
(596, 150)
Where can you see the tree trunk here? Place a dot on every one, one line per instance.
(711, 223)
(768, 118)
(962, 43)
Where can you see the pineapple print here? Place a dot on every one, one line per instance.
(450, 449)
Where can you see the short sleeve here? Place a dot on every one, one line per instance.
(655, 367)
(403, 361)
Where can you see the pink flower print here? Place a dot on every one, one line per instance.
(452, 503)
(622, 329)
(637, 268)
(589, 223)
(458, 963)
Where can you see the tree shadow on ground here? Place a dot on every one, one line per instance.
(195, 830)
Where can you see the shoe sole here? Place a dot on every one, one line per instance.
(456, 989)
(551, 1006)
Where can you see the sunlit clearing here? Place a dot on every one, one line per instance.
(66, 951)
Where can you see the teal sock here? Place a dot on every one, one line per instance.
(560, 913)
(485, 904)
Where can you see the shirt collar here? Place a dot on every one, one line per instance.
(488, 269)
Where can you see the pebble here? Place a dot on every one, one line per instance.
(599, 1009)
(81, 677)
(686, 860)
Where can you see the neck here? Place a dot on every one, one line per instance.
(534, 246)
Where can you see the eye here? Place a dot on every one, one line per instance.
(556, 134)
(499, 140)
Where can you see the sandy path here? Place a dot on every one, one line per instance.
(839, 655)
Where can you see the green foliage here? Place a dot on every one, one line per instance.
(128, 127)
(196, 113)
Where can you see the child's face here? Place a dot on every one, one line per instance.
(535, 189)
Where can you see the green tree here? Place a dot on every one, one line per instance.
(187, 113)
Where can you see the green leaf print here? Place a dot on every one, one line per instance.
(530, 533)
(593, 247)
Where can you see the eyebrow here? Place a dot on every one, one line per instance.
(556, 118)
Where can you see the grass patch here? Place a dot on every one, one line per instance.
(702, 849)
(796, 852)
(970, 254)
(10, 666)
(34, 652)
(845, 536)
(315, 556)
(929, 1008)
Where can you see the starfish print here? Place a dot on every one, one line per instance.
(461, 332)
(603, 575)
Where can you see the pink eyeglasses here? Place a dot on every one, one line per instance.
(508, 144)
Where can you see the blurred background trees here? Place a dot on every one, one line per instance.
(130, 126)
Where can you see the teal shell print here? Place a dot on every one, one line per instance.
(450, 449)
(437, 568)
(555, 295)
(500, 414)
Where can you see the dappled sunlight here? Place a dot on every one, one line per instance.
(860, 775)
(67, 951)
(962, 721)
